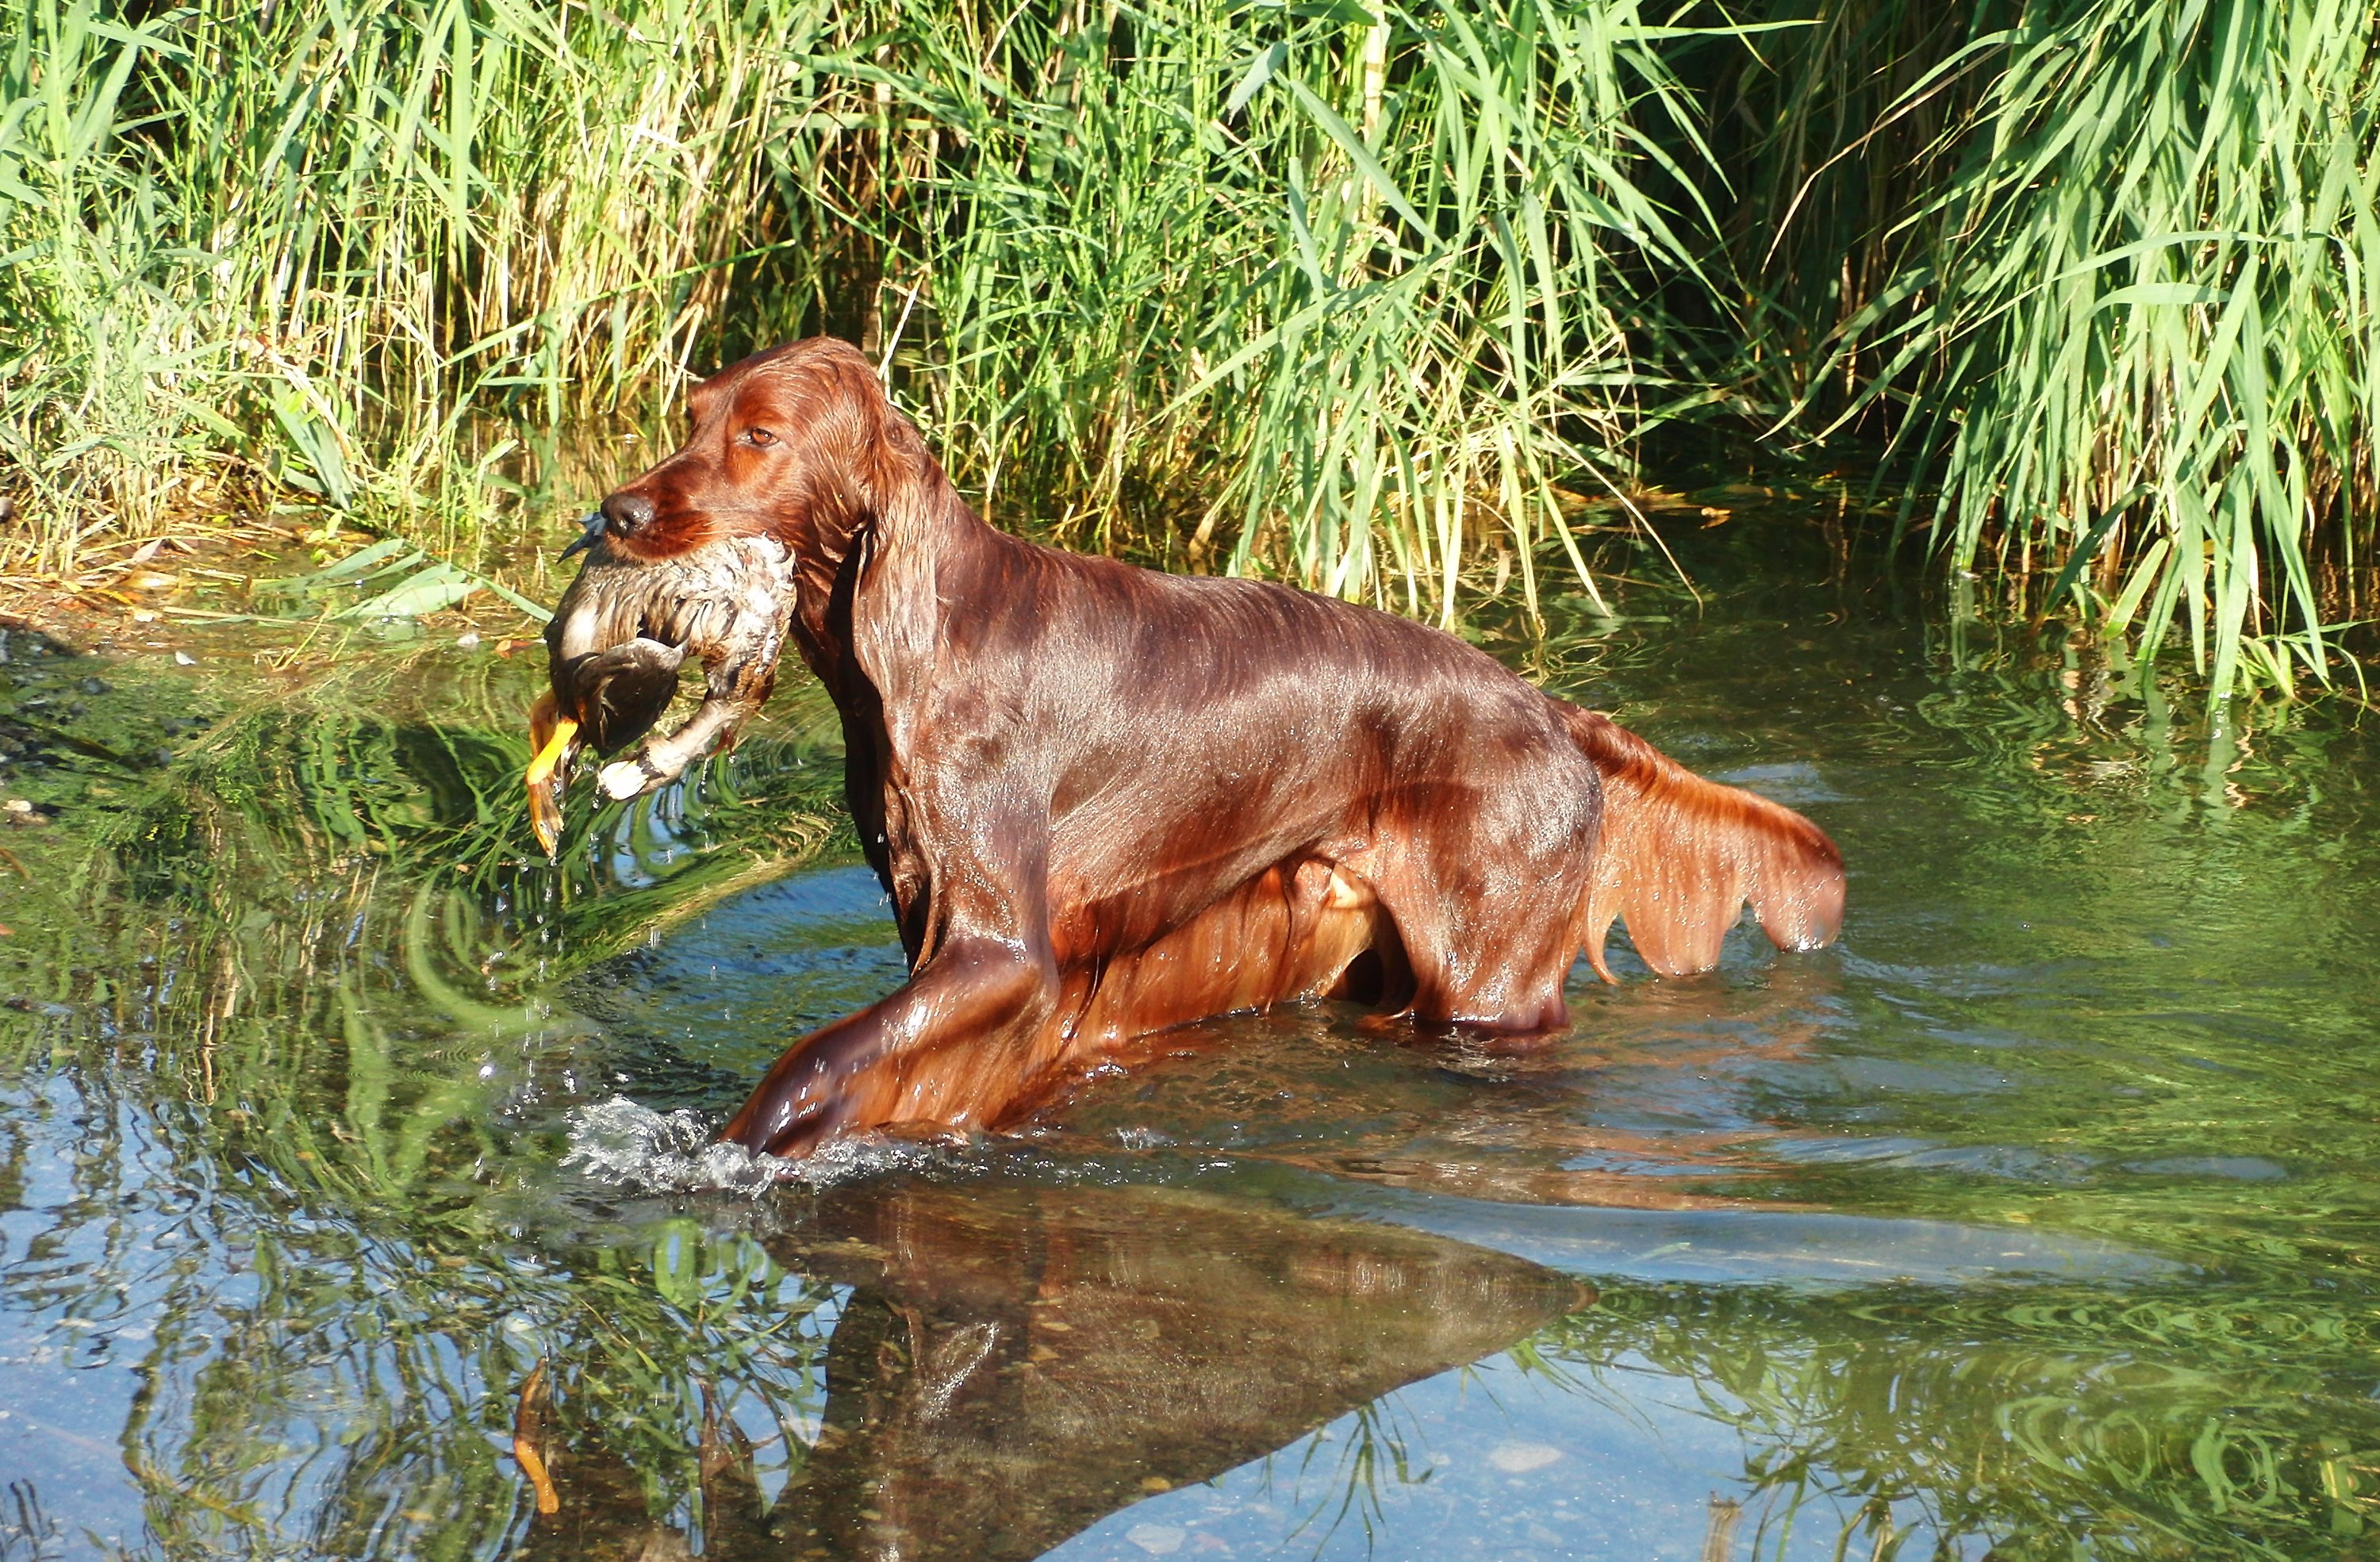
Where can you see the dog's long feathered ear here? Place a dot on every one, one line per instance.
(1678, 856)
(911, 506)
(904, 481)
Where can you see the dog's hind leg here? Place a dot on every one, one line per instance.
(1483, 890)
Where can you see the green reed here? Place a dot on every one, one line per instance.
(1364, 294)
(1337, 292)
(2123, 323)
(1342, 293)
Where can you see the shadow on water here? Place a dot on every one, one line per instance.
(2035, 1221)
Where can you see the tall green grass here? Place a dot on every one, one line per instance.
(1340, 292)
(2129, 338)
(302, 247)
(1370, 296)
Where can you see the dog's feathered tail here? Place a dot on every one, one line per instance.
(1678, 856)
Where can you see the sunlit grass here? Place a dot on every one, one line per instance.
(1362, 294)
(2130, 337)
(1338, 294)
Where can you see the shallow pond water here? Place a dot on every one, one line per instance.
(2034, 1220)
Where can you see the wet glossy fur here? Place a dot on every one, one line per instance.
(1107, 801)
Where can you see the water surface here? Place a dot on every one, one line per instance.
(2034, 1220)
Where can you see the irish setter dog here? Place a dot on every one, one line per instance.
(1107, 801)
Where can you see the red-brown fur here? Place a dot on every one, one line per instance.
(1106, 801)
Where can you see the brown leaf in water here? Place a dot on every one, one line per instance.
(529, 1416)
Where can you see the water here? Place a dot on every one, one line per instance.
(346, 1154)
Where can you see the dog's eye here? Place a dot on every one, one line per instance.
(760, 437)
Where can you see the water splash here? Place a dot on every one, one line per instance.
(626, 1144)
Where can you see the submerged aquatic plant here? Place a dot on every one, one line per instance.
(2056, 1420)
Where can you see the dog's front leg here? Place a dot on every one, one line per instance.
(954, 1049)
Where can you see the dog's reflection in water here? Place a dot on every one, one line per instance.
(1014, 1363)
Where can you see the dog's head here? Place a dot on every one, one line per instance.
(797, 442)
(791, 454)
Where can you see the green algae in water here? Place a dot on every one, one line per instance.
(2034, 1220)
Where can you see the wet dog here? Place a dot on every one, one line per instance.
(1107, 801)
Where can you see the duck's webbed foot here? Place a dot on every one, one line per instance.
(662, 760)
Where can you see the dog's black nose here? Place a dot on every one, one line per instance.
(627, 513)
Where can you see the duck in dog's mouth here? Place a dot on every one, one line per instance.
(614, 647)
